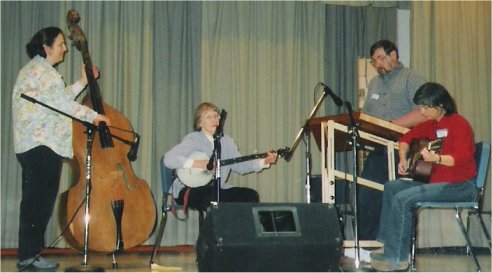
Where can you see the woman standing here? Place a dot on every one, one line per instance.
(43, 137)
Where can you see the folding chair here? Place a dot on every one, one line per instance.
(168, 204)
(482, 156)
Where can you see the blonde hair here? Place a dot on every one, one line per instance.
(205, 106)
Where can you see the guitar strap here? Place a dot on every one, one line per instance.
(185, 205)
(185, 201)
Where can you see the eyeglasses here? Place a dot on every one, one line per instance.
(379, 58)
(427, 107)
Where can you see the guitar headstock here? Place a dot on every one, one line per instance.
(282, 152)
(76, 33)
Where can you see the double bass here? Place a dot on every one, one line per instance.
(122, 211)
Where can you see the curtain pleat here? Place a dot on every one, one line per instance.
(176, 92)
(260, 61)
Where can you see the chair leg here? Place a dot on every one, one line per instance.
(484, 228)
(465, 234)
(413, 266)
(158, 240)
(468, 231)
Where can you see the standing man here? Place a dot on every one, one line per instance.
(390, 97)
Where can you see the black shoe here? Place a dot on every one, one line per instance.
(37, 264)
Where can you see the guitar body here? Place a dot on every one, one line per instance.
(421, 171)
(418, 169)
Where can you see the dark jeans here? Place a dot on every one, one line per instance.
(369, 199)
(41, 169)
(200, 197)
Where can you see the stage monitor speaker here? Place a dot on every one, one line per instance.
(270, 237)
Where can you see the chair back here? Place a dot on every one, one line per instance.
(482, 157)
(167, 179)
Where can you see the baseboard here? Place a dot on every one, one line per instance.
(68, 251)
(453, 250)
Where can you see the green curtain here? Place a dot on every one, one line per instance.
(176, 92)
(350, 32)
(153, 58)
(451, 45)
(349, 35)
(119, 36)
(260, 61)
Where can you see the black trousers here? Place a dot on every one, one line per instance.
(200, 197)
(41, 170)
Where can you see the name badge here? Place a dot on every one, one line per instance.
(442, 133)
(375, 96)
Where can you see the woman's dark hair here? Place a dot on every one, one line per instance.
(44, 37)
(432, 94)
(387, 46)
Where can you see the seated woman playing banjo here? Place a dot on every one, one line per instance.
(191, 157)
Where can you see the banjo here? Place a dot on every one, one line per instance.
(197, 177)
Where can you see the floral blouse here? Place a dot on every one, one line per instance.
(36, 125)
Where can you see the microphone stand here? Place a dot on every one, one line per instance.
(354, 135)
(304, 133)
(216, 155)
(90, 137)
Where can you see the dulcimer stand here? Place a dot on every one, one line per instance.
(90, 137)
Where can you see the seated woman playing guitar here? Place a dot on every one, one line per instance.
(451, 177)
(182, 156)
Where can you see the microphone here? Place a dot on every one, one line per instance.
(335, 98)
(132, 154)
(219, 131)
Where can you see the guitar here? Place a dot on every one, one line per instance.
(417, 168)
(196, 177)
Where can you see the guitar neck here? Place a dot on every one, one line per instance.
(241, 159)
